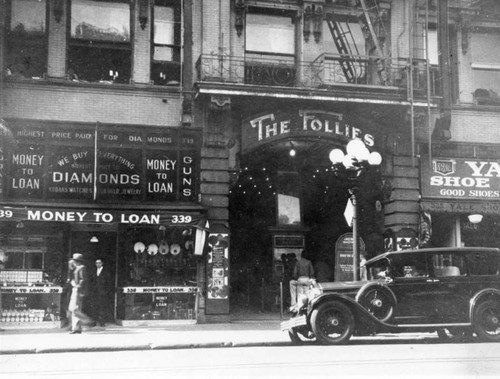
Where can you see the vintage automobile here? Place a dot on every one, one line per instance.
(452, 291)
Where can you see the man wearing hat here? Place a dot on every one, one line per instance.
(79, 285)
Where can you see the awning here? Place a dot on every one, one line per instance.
(103, 216)
(440, 206)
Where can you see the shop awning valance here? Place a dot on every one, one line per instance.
(102, 216)
(466, 207)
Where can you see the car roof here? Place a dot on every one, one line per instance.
(436, 250)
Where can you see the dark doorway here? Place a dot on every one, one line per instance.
(95, 245)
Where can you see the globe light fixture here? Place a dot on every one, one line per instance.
(475, 218)
(358, 157)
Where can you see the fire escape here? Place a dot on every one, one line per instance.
(371, 18)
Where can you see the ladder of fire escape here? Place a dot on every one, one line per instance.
(367, 12)
(419, 66)
(346, 60)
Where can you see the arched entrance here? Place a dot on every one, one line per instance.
(287, 197)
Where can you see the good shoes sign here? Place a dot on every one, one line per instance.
(460, 178)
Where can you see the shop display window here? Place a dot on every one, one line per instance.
(157, 277)
(30, 275)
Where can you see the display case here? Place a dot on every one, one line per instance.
(158, 275)
(30, 279)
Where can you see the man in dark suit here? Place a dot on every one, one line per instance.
(102, 284)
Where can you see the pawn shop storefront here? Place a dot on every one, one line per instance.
(139, 216)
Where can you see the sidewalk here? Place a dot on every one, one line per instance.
(256, 331)
(114, 337)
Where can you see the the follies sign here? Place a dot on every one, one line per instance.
(272, 126)
(57, 162)
(461, 178)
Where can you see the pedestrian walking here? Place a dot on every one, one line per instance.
(79, 290)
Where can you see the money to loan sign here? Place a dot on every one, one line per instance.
(58, 162)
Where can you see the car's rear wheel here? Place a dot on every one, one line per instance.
(332, 323)
(487, 321)
(301, 336)
(377, 300)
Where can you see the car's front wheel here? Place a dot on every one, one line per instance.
(487, 321)
(332, 323)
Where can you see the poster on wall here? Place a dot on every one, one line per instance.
(218, 266)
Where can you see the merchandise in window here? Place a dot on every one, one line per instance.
(31, 273)
(166, 37)
(26, 42)
(99, 47)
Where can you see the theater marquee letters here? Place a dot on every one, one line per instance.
(268, 127)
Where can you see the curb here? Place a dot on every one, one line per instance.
(142, 347)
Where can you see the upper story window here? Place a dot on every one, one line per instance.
(99, 47)
(26, 42)
(486, 67)
(270, 33)
(166, 37)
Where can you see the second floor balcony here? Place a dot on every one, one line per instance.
(328, 72)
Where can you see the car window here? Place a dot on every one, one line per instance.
(378, 269)
(483, 263)
(408, 266)
(448, 265)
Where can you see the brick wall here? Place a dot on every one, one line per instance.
(85, 103)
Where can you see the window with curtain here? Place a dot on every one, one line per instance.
(166, 38)
(486, 67)
(26, 39)
(100, 42)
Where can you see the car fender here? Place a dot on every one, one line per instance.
(360, 313)
(480, 296)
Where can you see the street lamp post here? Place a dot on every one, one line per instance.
(358, 157)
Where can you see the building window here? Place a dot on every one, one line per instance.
(345, 53)
(270, 34)
(486, 68)
(270, 48)
(166, 49)
(99, 46)
(26, 43)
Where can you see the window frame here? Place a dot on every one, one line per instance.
(103, 45)
(176, 47)
(38, 39)
(276, 13)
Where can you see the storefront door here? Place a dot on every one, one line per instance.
(97, 244)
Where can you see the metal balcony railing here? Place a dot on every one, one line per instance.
(326, 71)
